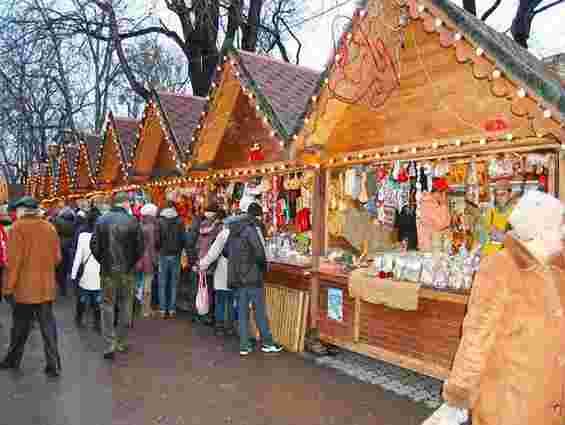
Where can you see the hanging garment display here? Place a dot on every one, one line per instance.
(434, 218)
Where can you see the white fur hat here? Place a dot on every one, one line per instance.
(536, 213)
(245, 202)
(149, 210)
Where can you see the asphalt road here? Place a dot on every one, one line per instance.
(178, 373)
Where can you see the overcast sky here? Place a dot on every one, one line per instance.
(547, 36)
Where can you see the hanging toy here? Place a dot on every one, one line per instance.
(256, 153)
(412, 169)
(381, 174)
(395, 170)
(402, 175)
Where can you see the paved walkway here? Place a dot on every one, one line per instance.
(178, 373)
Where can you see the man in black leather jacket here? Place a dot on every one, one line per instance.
(117, 244)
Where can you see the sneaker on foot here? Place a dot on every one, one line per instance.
(172, 314)
(109, 355)
(272, 348)
(163, 314)
(244, 351)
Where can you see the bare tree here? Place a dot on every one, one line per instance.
(522, 22)
(205, 24)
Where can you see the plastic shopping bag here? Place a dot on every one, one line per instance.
(447, 415)
(202, 300)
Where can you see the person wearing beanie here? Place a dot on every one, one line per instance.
(147, 264)
(242, 244)
(209, 229)
(117, 244)
(90, 294)
(509, 365)
(34, 252)
(170, 243)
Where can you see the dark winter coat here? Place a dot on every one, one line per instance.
(171, 233)
(117, 242)
(191, 242)
(148, 261)
(247, 259)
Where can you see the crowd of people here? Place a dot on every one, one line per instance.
(111, 258)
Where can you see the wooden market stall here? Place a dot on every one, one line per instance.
(243, 140)
(66, 175)
(415, 89)
(115, 152)
(85, 165)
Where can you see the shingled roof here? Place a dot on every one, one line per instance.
(71, 153)
(182, 115)
(92, 147)
(286, 87)
(126, 129)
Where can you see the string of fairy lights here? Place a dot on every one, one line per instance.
(232, 66)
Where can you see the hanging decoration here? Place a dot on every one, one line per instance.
(256, 153)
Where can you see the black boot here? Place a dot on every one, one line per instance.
(219, 329)
(97, 319)
(81, 307)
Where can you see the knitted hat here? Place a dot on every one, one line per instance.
(149, 210)
(26, 202)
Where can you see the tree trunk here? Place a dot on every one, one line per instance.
(249, 41)
(470, 6)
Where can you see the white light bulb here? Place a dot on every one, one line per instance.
(479, 51)
(496, 74)
(521, 93)
(421, 8)
(547, 113)
(438, 23)
(457, 36)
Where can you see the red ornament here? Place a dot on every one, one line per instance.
(440, 184)
(256, 153)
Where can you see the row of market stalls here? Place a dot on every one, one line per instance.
(377, 176)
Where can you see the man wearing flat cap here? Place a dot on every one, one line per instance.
(117, 244)
(34, 252)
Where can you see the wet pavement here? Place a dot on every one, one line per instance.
(178, 373)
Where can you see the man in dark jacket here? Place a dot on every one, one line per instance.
(170, 244)
(247, 263)
(65, 225)
(117, 244)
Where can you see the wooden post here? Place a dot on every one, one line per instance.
(561, 174)
(357, 320)
(318, 243)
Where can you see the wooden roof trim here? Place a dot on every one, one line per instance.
(83, 156)
(524, 102)
(110, 125)
(486, 66)
(257, 100)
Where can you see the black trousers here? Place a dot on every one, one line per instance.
(23, 317)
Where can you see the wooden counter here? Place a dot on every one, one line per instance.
(424, 341)
(289, 275)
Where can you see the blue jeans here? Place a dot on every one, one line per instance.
(224, 307)
(256, 296)
(169, 274)
(90, 297)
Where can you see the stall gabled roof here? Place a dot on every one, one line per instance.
(182, 115)
(429, 68)
(93, 142)
(286, 88)
(277, 90)
(71, 154)
(126, 129)
(509, 56)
